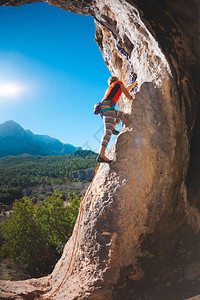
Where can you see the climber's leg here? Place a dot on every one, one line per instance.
(108, 119)
(119, 115)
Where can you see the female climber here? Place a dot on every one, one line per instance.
(111, 116)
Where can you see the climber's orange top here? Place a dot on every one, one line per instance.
(113, 92)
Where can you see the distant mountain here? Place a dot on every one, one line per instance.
(14, 140)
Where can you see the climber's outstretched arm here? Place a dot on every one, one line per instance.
(130, 87)
(126, 92)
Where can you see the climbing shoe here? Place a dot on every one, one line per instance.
(115, 132)
(101, 160)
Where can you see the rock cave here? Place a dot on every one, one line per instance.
(140, 225)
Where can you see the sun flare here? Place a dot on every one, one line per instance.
(10, 90)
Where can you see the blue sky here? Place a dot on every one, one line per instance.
(54, 71)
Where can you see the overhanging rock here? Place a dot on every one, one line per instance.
(138, 230)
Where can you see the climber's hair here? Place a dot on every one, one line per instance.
(112, 79)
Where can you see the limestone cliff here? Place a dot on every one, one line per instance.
(139, 230)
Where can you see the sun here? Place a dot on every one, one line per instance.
(10, 90)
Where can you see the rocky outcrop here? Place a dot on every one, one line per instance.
(139, 229)
(83, 175)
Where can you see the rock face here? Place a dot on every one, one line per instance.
(140, 223)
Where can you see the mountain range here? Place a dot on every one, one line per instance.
(15, 140)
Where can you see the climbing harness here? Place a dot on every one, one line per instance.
(98, 107)
(110, 107)
(79, 218)
(98, 110)
(106, 108)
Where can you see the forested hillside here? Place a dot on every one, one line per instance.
(44, 220)
(23, 171)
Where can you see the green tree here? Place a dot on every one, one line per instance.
(35, 235)
(56, 218)
(9, 194)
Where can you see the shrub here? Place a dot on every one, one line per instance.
(34, 235)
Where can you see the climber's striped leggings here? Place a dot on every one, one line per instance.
(109, 117)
